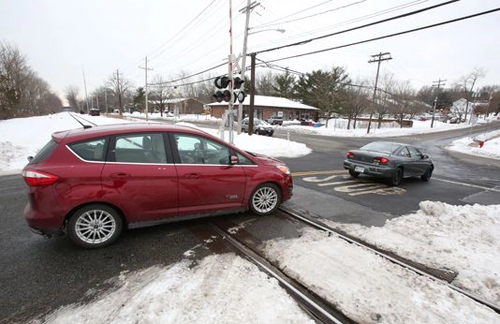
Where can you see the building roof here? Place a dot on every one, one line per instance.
(268, 101)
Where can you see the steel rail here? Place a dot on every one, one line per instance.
(302, 296)
(319, 225)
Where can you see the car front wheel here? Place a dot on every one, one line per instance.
(265, 199)
(94, 226)
(427, 175)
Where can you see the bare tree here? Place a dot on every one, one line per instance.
(13, 71)
(160, 91)
(404, 100)
(265, 84)
(356, 101)
(71, 93)
(468, 82)
(119, 88)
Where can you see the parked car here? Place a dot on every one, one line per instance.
(275, 120)
(390, 160)
(260, 127)
(94, 112)
(92, 183)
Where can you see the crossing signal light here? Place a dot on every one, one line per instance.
(222, 82)
(222, 95)
(237, 82)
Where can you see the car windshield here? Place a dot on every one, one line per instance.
(261, 122)
(384, 147)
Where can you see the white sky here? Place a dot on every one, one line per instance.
(228, 289)
(62, 38)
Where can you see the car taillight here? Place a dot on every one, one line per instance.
(37, 178)
(350, 155)
(381, 160)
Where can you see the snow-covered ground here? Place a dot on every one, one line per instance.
(228, 289)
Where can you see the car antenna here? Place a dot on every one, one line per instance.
(84, 126)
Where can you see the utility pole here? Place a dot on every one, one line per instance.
(438, 85)
(377, 58)
(248, 9)
(145, 68)
(251, 108)
(119, 92)
(85, 87)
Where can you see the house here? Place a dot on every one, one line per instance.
(184, 105)
(266, 107)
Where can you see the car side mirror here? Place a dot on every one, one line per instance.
(424, 156)
(233, 159)
(30, 158)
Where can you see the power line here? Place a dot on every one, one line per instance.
(359, 27)
(375, 38)
(314, 15)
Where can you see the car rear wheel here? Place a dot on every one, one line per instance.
(94, 226)
(427, 175)
(265, 199)
(353, 173)
(397, 176)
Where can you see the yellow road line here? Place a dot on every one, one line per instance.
(306, 173)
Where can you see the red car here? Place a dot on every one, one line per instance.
(91, 183)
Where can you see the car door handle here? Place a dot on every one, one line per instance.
(192, 176)
(120, 175)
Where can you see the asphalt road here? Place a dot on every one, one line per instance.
(39, 275)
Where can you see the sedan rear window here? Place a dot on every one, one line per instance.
(384, 147)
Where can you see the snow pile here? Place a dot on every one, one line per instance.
(465, 239)
(221, 289)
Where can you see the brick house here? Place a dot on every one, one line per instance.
(266, 106)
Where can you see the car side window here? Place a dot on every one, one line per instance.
(140, 148)
(200, 150)
(92, 150)
(415, 153)
(404, 152)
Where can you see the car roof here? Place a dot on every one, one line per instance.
(121, 128)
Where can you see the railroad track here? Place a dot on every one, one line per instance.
(233, 238)
(83, 121)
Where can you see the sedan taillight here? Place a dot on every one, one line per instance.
(350, 155)
(381, 160)
(37, 178)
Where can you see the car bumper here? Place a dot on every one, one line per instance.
(369, 169)
(43, 224)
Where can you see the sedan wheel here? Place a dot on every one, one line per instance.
(397, 176)
(427, 175)
(94, 226)
(265, 199)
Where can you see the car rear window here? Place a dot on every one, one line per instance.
(385, 147)
(90, 150)
(44, 153)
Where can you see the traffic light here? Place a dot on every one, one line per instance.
(222, 82)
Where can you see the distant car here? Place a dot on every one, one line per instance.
(91, 183)
(94, 112)
(390, 160)
(275, 120)
(260, 127)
